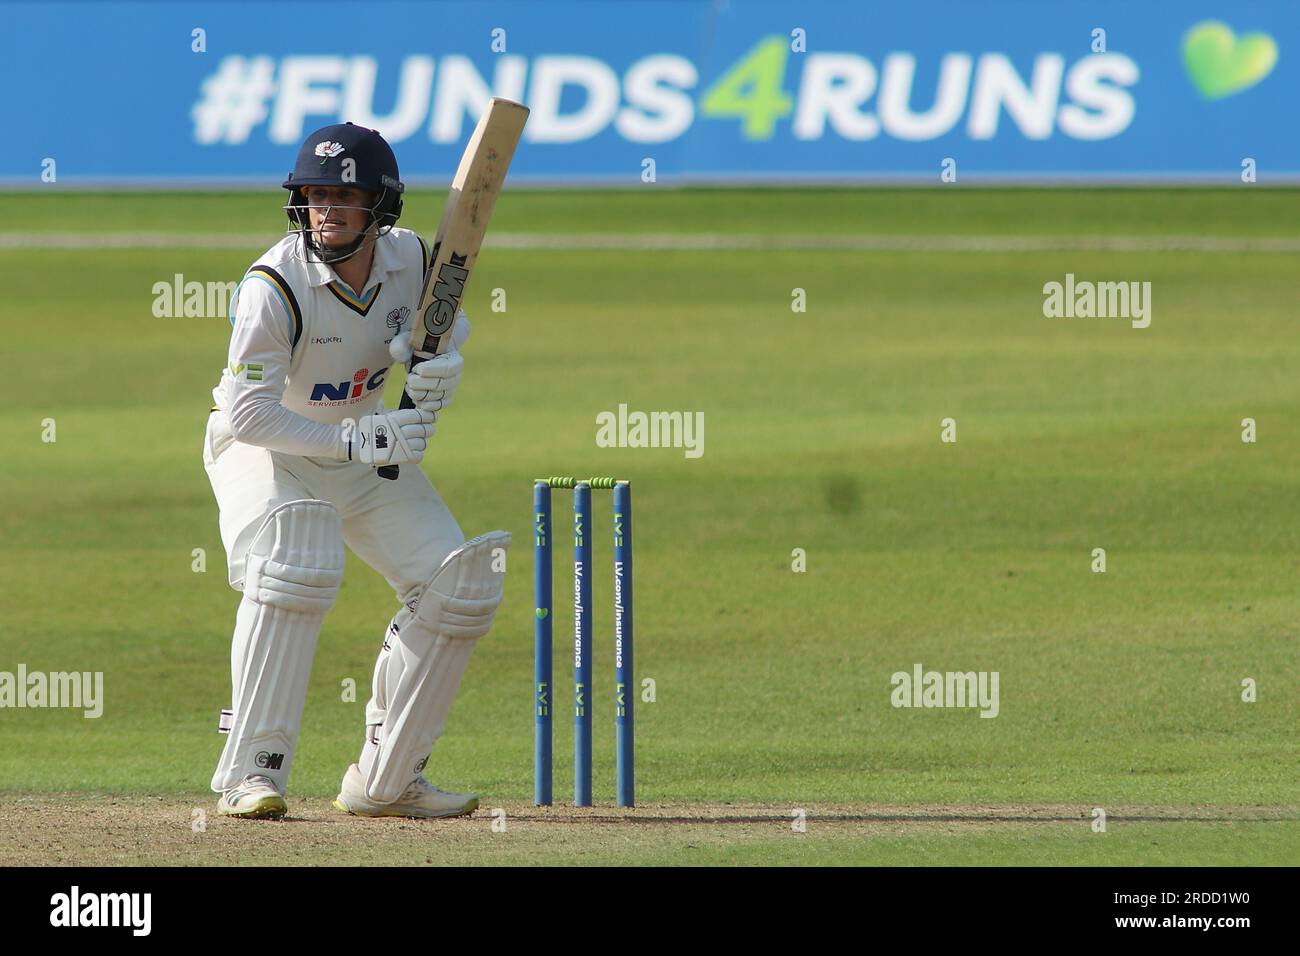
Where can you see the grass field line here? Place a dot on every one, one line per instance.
(690, 242)
(906, 815)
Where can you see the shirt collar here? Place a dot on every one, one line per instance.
(386, 260)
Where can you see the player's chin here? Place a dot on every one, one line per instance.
(337, 239)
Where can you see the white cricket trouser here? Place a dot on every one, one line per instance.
(402, 528)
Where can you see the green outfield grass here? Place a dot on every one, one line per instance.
(1194, 212)
(822, 433)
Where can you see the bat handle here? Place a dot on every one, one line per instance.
(392, 471)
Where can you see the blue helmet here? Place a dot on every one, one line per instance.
(345, 155)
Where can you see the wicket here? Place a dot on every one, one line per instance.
(542, 638)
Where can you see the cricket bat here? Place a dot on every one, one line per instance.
(474, 191)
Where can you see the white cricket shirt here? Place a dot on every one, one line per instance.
(307, 352)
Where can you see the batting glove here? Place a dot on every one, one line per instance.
(390, 438)
(432, 383)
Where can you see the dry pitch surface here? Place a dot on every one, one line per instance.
(111, 830)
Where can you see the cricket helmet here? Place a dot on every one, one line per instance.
(345, 155)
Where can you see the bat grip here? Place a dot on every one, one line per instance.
(392, 471)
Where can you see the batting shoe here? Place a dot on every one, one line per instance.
(253, 798)
(420, 799)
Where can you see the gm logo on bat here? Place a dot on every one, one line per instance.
(447, 293)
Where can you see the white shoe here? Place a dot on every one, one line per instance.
(420, 799)
(253, 798)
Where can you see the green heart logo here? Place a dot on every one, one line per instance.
(541, 613)
(1220, 63)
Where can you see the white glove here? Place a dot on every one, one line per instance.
(390, 438)
(400, 347)
(432, 383)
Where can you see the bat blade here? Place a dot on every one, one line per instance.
(473, 196)
(465, 217)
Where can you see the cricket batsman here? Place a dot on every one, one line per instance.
(291, 450)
